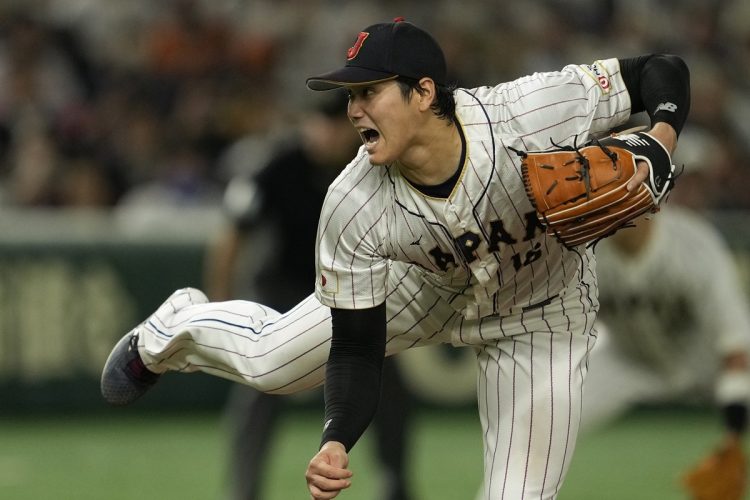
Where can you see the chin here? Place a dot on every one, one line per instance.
(380, 157)
(377, 160)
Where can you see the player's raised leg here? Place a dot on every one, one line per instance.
(241, 341)
(249, 343)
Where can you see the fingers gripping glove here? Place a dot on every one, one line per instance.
(580, 194)
(720, 476)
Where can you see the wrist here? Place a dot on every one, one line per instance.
(665, 134)
(333, 445)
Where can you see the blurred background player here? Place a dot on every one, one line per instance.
(675, 318)
(673, 324)
(269, 245)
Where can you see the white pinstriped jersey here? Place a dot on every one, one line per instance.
(482, 247)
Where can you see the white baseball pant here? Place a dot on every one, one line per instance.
(531, 366)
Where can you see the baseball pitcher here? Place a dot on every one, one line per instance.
(430, 236)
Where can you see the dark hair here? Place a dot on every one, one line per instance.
(444, 105)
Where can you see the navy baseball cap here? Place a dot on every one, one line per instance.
(386, 51)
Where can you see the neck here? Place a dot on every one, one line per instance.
(434, 159)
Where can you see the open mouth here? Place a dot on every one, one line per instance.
(370, 136)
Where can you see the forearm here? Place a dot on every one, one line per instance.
(353, 373)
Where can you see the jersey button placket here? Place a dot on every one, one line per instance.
(481, 273)
(454, 220)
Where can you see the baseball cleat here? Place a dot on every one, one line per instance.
(125, 378)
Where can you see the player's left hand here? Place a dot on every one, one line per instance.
(327, 473)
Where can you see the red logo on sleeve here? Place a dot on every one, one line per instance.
(353, 51)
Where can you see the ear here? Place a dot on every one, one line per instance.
(428, 94)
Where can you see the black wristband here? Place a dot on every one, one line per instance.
(735, 417)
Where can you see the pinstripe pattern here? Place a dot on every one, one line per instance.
(483, 253)
(530, 404)
(482, 246)
(285, 353)
(474, 269)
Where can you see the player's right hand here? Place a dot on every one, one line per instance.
(327, 473)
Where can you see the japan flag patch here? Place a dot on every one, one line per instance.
(329, 282)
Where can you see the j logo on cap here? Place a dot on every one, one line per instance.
(354, 50)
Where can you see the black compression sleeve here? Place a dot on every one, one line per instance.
(660, 85)
(353, 373)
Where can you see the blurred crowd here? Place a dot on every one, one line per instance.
(139, 103)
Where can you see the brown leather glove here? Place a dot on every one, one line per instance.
(580, 193)
(720, 476)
